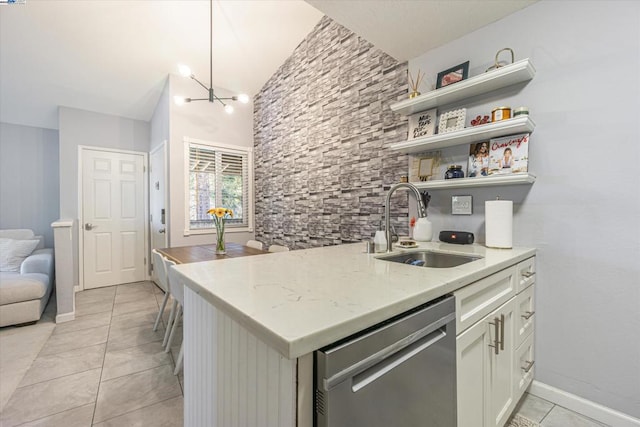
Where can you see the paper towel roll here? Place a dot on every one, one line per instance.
(498, 223)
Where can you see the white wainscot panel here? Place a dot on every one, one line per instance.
(231, 377)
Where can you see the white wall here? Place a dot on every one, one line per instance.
(80, 127)
(206, 121)
(29, 179)
(583, 211)
(160, 120)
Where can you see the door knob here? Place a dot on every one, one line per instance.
(161, 231)
(88, 226)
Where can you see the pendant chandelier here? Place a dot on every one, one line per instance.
(186, 72)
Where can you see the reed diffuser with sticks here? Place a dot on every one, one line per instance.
(415, 84)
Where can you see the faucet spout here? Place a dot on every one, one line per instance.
(422, 209)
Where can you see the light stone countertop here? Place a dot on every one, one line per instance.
(303, 300)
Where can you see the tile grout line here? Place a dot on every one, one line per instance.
(104, 356)
(133, 410)
(548, 412)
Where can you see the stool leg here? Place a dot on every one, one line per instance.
(173, 329)
(162, 306)
(179, 361)
(170, 322)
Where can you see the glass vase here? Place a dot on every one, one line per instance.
(220, 245)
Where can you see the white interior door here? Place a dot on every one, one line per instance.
(113, 218)
(158, 200)
(158, 197)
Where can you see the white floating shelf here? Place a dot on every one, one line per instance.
(466, 136)
(502, 77)
(486, 181)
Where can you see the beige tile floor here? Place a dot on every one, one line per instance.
(549, 415)
(105, 368)
(108, 368)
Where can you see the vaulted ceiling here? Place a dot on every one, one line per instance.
(113, 56)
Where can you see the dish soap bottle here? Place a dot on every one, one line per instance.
(380, 241)
(423, 230)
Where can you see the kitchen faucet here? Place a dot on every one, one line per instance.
(422, 209)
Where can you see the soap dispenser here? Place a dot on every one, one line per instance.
(380, 240)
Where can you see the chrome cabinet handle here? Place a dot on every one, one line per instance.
(161, 231)
(528, 274)
(527, 315)
(502, 332)
(528, 366)
(496, 341)
(88, 226)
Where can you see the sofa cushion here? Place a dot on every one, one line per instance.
(16, 287)
(17, 234)
(13, 252)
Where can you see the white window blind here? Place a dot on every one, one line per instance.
(218, 176)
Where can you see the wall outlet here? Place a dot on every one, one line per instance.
(461, 205)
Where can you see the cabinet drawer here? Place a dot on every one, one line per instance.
(525, 317)
(524, 367)
(526, 273)
(475, 301)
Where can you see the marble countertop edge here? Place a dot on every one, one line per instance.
(312, 332)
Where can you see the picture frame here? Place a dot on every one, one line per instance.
(452, 75)
(422, 124)
(424, 166)
(452, 120)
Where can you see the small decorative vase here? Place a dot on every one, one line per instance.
(414, 94)
(220, 247)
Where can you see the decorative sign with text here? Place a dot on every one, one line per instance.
(422, 124)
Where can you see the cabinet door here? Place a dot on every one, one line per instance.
(472, 358)
(501, 377)
(525, 317)
(523, 367)
(526, 273)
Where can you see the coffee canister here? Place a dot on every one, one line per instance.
(454, 171)
(520, 111)
(500, 113)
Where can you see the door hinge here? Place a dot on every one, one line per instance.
(145, 261)
(144, 168)
(150, 217)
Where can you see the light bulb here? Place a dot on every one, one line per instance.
(244, 98)
(228, 108)
(179, 100)
(184, 70)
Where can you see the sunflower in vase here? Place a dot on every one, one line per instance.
(220, 216)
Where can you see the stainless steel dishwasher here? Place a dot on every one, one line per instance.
(400, 373)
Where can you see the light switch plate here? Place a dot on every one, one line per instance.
(461, 205)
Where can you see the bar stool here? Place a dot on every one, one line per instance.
(254, 244)
(161, 280)
(177, 290)
(278, 248)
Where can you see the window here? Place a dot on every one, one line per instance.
(218, 175)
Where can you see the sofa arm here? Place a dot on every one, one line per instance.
(40, 261)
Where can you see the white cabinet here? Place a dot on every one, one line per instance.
(494, 353)
(485, 357)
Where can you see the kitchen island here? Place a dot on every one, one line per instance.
(251, 324)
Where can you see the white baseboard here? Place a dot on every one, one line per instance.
(65, 317)
(582, 406)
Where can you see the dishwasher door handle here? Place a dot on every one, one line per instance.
(371, 374)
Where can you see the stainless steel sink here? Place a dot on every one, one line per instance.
(431, 259)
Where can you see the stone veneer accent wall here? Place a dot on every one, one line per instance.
(322, 129)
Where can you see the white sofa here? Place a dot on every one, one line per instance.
(24, 293)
